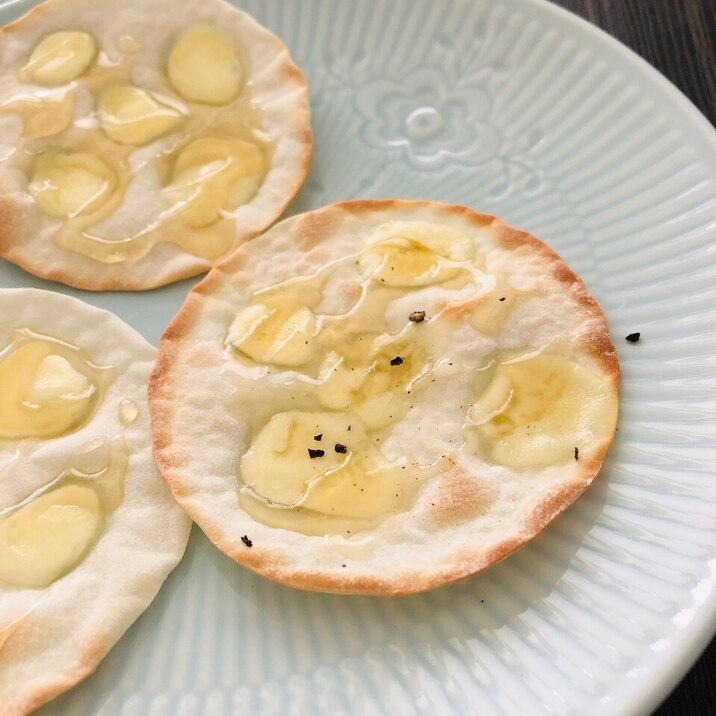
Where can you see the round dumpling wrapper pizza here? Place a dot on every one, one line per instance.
(140, 142)
(383, 396)
(88, 529)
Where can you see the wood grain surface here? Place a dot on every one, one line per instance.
(678, 38)
(675, 36)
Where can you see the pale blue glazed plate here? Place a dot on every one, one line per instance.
(519, 109)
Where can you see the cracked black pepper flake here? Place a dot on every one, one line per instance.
(247, 541)
(503, 298)
(318, 437)
(633, 337)
(315, 453)
(349, 427)
(341, 448)
(576, 453)
(417, 316)
(343, 565)
(397, 361)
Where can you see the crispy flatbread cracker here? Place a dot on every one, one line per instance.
(383, 396)
(54, 635)
(140, 142)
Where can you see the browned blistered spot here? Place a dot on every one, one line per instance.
(10, 220)
(595, 341)
(8, 631)
(201, 355)
(310, 229)
(458, 495)
(564, 274)
(555, 502)
(349, 291)
(458, 310)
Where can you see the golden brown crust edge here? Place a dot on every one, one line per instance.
(543, 515)
(598, 343)
(11, 224)
(86, 665)
(261, 560)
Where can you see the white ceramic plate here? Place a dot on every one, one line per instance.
(520, 109)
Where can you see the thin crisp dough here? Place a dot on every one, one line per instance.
(52, 638)
(463, 520)
(278, 93)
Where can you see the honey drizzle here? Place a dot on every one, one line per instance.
(235, 120)
(365, 316)
(313, 522)
(107, 480)
(107, 483)
(99, 376)
(101, 464)
(128, 412)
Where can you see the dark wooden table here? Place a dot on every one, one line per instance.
(676, 36)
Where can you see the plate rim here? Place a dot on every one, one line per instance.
(666, 670)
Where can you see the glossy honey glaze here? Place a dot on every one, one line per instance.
(317, 467)
(48, 387)
(50, 532)
(357, 355)
(83, 146)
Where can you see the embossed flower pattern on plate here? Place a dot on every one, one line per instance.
(433, 119)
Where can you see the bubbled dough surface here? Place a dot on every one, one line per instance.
(278, 91)
(444, 536)
(65, 629)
